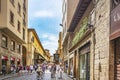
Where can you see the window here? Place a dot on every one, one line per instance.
(19, 8)
(115, 3)
(24, 23)
(23, 34)
(24, 8)
(12, 45)
(32, 39)
(18, 26)
(4, 41)
(12, 1)
(18, 48)
(11, 17)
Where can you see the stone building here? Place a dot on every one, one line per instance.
(92, 41)
(59, 50)
(13, 32)
(36, 52)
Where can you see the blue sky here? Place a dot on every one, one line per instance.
(45, 16)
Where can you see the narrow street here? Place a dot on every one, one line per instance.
(32, 76)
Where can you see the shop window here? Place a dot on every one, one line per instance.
(4, 41)
(12, 45)
(4, 62)
(18, 48)
(85, 66)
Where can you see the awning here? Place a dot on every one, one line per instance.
(12, 59)
(4, 58)
(18, 60)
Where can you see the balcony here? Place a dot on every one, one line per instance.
(81, 8)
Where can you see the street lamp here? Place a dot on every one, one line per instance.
(61, 25)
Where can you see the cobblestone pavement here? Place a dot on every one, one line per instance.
(32, 76)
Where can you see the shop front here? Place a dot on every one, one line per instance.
(12, 61)
(18, 61)
(71, 67)
(4, 60)
(84, 62)
(115, 39)
(66, 66)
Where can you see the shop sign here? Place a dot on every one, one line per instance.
(80, 33)
(115, 21)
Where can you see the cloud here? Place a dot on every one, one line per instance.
(44, 14)
(50, 42)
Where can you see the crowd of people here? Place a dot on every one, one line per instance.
(38, 68)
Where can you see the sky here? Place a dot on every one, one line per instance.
(45, 16)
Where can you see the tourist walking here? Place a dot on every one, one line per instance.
(3, 70)
(31, 68)
(53, 71)
(39, 73)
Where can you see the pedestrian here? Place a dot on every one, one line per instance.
(28, 68)
(43, 68)
(11, 69)
(39, 73)
(53, 71)
(60, 71)
(31, 68)
(3, 70)
(35, 67)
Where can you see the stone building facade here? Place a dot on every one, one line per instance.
(36, 53)
(13, 32)
(93, 40)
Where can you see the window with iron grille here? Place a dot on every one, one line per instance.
(115, 3)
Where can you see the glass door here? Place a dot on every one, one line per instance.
(85, 66)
